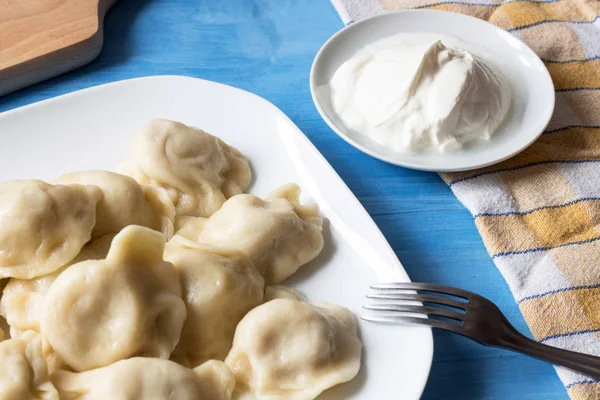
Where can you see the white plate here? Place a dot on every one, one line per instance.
(533, 90)
(93, 129)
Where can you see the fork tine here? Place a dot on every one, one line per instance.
(415, 310)
(429, 287)
(423, 298)
(434, 323)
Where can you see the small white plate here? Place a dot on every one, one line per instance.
(533, 90)
(93, 129)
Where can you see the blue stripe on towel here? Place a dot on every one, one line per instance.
(570, 203)
(577, 89)
(570, 61)
(564, 128)
(533, 164)
(464, 3)
(569, 334)
(518, 28)
(567, 289)
(585, 382)
(538, 249)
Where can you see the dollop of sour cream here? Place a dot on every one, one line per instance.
(412, 93)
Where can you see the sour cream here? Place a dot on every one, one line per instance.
(411, 92)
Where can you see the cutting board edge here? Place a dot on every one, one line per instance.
(50, 65)
(56, 63)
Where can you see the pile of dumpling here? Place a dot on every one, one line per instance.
(160, 282)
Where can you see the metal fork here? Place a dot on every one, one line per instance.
(472, 316)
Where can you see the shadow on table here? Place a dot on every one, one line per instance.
(118, 43)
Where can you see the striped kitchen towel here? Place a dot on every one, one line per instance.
(539, 212)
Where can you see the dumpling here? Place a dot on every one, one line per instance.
(43, 226)
(125, 202)
(283, 292)
(100, 311)
(287, 349)
(23, 300)
(147, 378)
(217, 381)
(219, 287)
(199, 170)
(189, 227)
(278, 233)
(25, 367)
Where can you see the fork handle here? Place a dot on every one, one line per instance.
(583, 363)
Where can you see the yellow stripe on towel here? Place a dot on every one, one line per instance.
(540, 229)
(575, 74)
(558, 226)
(587, 390)
(516, 14)
(522, 14)
(556, 42)
(563, 313)
(508, 235)
(483, 12)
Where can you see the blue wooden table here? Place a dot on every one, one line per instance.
(266, 47)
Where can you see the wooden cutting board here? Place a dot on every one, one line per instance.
(40, 39)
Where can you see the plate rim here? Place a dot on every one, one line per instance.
(427, 337)
(409, 164)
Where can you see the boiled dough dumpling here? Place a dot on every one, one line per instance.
(43, 226)
(278, 233)
(101, 311)
(23, 300)
(217, 381)
(199, 170)
(147, 378)
(25, 367)
(219, 287)
(283, 292)
(125, 202)
(288, 349)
